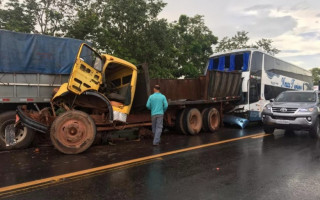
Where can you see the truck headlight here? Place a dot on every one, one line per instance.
(267, 107)
(306, 109)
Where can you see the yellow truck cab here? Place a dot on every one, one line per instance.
(97, 97)
(112, 78)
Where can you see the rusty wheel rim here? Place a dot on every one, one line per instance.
(193, 120)
(214, 120)
(72, 133)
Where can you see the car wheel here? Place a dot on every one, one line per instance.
(268, 130)
(315, 131)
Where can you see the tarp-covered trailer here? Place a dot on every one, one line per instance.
(31, 66)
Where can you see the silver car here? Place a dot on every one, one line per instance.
(293, 110)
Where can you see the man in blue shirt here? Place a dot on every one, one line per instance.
(158, 104)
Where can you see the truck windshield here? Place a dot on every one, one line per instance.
(296, 97)
(91, 58)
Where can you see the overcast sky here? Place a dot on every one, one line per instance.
(293, 25)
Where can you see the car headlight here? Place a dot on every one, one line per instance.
(267, 107)
(306, 109)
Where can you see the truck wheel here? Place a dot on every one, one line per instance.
(179, 122)
(24, 135)
(73, 132)
(211, 120)
(204, 128)
(268, 130)
(192, 121)
(315, 131)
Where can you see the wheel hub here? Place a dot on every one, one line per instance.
(72, 133)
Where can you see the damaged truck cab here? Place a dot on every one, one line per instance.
(97, 77)
(99, 92)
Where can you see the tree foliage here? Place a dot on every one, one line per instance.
(241, 40)
(132, 31)
(127, 29)
(16, 17)
(315, 75)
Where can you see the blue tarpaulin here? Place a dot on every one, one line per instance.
(246, 56)
(222, 61)
(210, 67)
(34, 53)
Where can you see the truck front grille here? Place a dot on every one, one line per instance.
(284, 110)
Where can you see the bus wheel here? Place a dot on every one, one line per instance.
(23, 135)
(192, 121)
(73, 132)
(179, 122)
(211, 119)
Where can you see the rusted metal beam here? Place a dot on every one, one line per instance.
(122, 127)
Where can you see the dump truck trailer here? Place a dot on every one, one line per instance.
(105, 93)
(31, 66)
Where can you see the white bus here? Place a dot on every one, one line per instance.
(263, 78)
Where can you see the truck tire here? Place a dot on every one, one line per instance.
(192, 121)
(73, 132)
(315, 130)
(211, 120)
(179, 122)
(24, 135)
(204, 128)
(268, 130)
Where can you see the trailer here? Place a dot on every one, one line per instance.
(105, 93)
(31, 67)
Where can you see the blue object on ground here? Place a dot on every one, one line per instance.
(234, 120)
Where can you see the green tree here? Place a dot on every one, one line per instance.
(15, 17)
(241, 40)
(132, 30)
(125, 28)
(51, 16)
(315, 75)
(193, 45)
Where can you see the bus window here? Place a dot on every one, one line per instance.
(256, 64)
(254, 92)
(280, 67)
(215, 63)
(238, 61)
(271, 92)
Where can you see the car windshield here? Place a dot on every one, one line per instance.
(296, 97)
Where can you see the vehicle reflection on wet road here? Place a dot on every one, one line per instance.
(230, 164)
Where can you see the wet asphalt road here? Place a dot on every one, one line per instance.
(279, 166)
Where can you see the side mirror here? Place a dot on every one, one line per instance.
(271, 100)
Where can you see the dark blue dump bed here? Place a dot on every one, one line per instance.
(34, 53)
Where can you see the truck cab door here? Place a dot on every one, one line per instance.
(86, 72)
